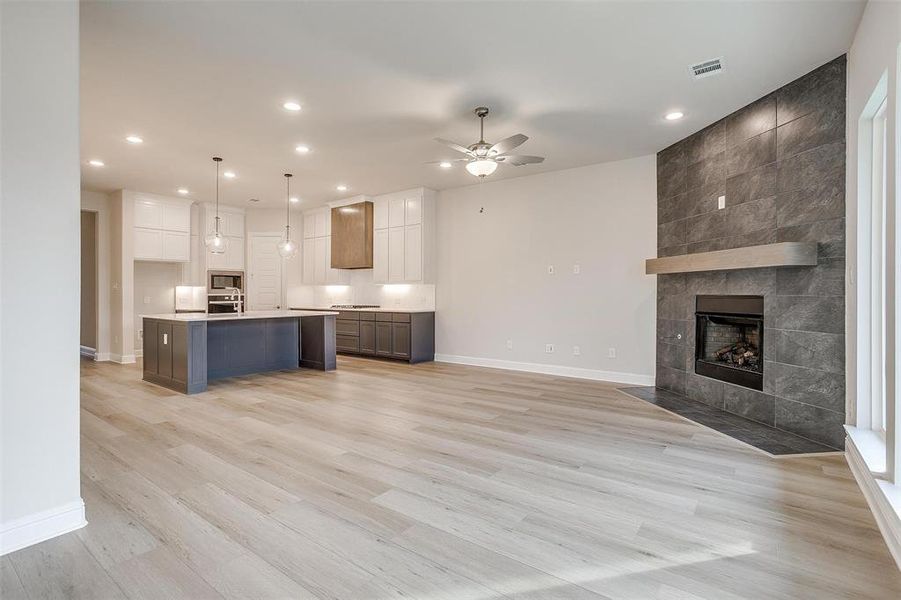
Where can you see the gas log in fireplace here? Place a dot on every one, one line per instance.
(729, 339)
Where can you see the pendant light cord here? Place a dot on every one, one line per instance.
(217, 160)
(287, 205)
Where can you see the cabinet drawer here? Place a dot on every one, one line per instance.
(347, 343)
(343, 327)
(384, 316)
(348, 315)
(367, 316)
(400, 317)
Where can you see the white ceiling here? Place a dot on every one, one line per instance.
(587, 82)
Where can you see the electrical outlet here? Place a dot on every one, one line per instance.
(721, 202)
(549, 348)
(577, 269)
(509, 344)
(611, 352)
(577, 351)
(140, 334)
(550, 269)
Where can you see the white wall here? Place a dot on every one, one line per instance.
(100, 204)
(39, 272)
(493, 283)
(876, 463)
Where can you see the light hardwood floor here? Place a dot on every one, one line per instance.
(436, 481)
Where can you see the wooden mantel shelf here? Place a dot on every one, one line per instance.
(783, 254)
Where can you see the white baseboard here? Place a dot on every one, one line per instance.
(102, 357)
(559, 370)
(88, 351)
(122, 359)
(32, 529)
(139, 353)
(883, 498)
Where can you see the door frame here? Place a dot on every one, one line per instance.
(248, 260)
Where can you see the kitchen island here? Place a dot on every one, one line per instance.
(185, 351)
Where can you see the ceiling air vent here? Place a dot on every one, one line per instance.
(714, 66)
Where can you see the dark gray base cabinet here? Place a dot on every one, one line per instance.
(397, 335)
(175, 355)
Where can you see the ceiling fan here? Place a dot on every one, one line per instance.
(482, 158)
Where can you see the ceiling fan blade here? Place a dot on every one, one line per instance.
(454, 145)
(518, 160)
(505, 145)
(449, 160)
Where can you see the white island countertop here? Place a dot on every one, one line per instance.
(253, 314)
(381, 309)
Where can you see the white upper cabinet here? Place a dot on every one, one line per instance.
(396, 212)
(380, 213)
(404, 237)
(413, 210)
(231, 225)
(162, 228)
(322, 222)
(309, 226)
(177, 217)
(148, 213)
(309, 260)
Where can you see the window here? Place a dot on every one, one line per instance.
(878, 190)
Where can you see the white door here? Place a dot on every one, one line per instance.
(265, 286)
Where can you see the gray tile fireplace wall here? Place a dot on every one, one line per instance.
(780, 162)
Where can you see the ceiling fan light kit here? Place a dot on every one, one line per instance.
(483, 157)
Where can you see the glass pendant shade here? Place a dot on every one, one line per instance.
(216, 243)
(287, 248)
(481, 167)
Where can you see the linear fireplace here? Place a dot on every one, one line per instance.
(729, 339)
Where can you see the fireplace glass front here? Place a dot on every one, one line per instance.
(729, 339)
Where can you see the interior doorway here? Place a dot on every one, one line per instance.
(265, 288)
(88, 334)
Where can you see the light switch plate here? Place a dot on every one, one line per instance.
(577, 351)
(721, 202)
(509, 344)
(611, 352)
(577, 269)
(549, 348)
(550, 269)
(146, 299)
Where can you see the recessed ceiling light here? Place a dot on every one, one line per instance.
(95, 163)
(445, 165)
(341, 188)
(294, 106)
(303, 149)
(674, 116)
(295, 199)
(229, 174)
(134, 139)
(183, 191)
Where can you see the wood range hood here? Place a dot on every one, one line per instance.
(352, 236)
(783, 254)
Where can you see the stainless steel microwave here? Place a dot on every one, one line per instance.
(226, 280)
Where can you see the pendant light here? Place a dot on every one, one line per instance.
(286, 247)
(215, 242)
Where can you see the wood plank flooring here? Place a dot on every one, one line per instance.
(437, 481)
